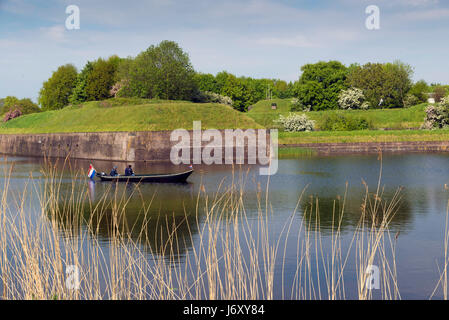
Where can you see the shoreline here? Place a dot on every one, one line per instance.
(370, 147)
(152, 146)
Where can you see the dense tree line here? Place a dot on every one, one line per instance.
(11, 103)
(164, 71)
(320, 84)
(243, 91)
(160, 72)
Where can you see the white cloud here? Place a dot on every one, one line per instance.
(299, 41)
(422, 15)
(313, 39)
(394, 3)
(246, 37)
(417, 3)
(55, 33)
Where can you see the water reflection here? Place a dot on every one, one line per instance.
(163, 221)
(159, 209)
(346, 214)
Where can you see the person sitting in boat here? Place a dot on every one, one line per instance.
(114, 172)
(129, 171)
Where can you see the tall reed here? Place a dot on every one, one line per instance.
(230, 255)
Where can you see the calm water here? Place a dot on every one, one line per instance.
(420, 219)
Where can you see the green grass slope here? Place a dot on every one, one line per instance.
(380, 118)
(130, 115)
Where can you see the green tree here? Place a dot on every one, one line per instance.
(79, 94)
(320, 84)
(244, 90)
(26, 105)
(439, 93)
(384, 85)
(9, 102)
(399, 81)
(162, 71)
(420, 90)
(281, 89)
(221, 79)
(311, 95)
(207, 82)
(101, 79)
(57, 89)
(370, 78)
(237, 90)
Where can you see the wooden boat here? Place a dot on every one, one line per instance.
(163, 177)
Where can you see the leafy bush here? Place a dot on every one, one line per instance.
(26, 106)
(296, 123)
(410, 101)
(297, 105)
(420, 90)
(212, 97)
(56, 91)
(79, 94)
(101, 79)
(439, 93)
(384, 85)
(320, 84)
(352, 98)
(437, 116)
(340, 122)
(161, 72)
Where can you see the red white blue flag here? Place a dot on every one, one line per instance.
(92, 172)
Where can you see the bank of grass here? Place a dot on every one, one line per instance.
(362, 136)
(403, 118)
(129, 115)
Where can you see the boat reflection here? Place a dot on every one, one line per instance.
(163, 223)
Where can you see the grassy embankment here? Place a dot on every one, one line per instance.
(148, 115)
(379, 118)
(398, 121)
(129, 115)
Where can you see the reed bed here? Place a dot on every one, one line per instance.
(230, 254)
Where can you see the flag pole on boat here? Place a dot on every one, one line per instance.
(92, 172)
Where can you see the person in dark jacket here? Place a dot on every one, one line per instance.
(129, 171)
(114, 172)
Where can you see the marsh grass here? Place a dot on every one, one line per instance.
(232, 254)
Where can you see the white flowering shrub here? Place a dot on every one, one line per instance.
(296, 123)
(410, 100)
(352, 98)
(437, 116)
(365, 105)
(207, 96)
(445, 102)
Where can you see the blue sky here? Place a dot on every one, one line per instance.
(257, 38)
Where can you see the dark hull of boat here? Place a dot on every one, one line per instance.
(162, 178)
